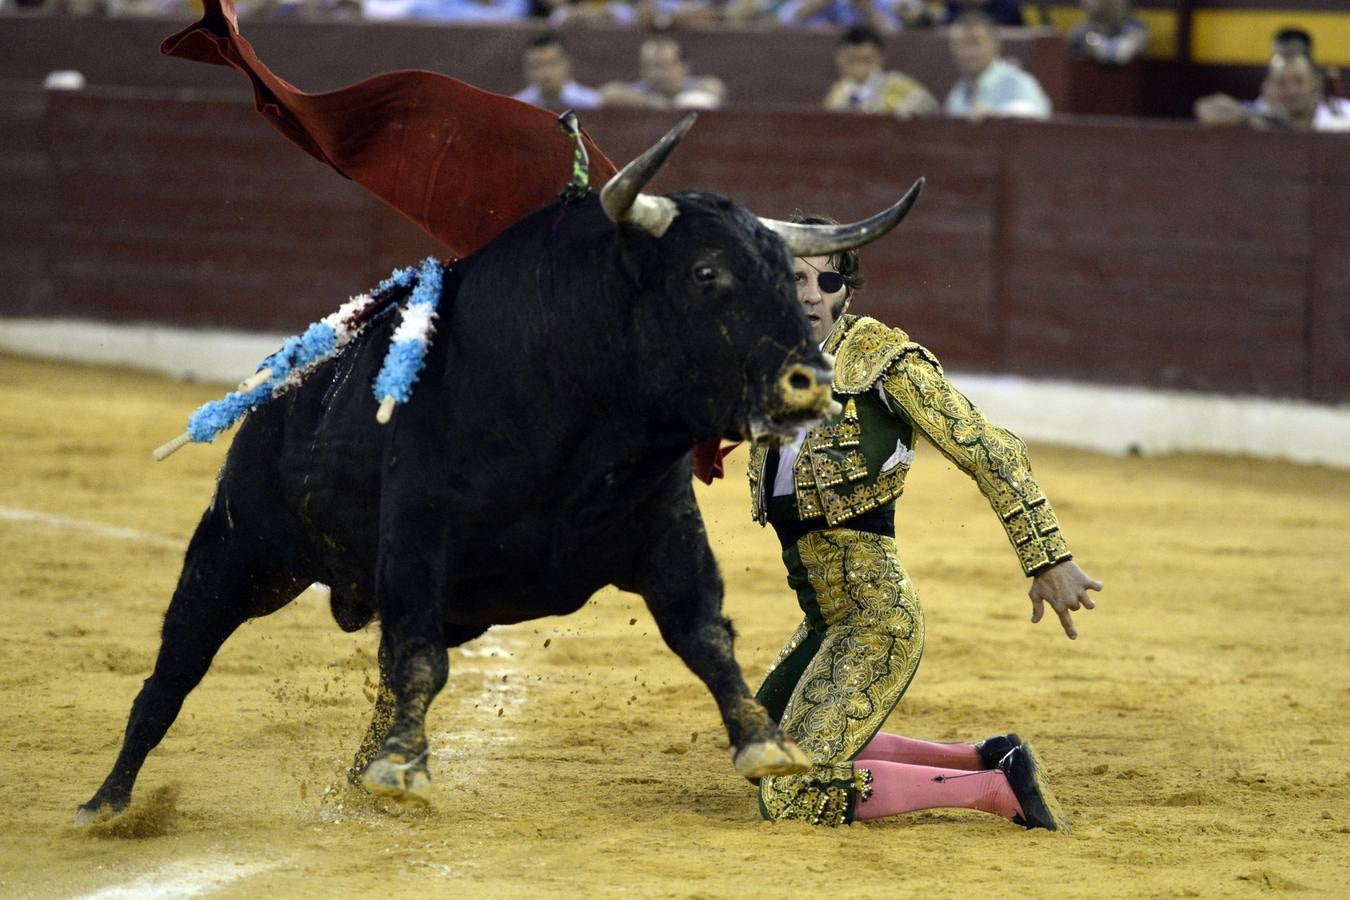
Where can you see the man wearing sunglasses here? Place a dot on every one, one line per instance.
(830, 496)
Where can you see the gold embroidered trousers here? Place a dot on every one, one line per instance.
(843, 671)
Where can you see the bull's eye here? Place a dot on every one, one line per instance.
(705, 275)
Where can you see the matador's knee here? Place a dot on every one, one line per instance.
(827, 795)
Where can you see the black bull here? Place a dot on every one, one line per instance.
(544, 455)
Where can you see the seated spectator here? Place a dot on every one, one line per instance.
(548, 69)
(1111, 35)
(666, 82)
(1291, 100)
(587, 12)
(446, 10)
(864, 86)
(1007, 13)
(749, 12)
(989, 86)
(662, 14)
(879, 15)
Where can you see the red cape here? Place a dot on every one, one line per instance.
(461, 162)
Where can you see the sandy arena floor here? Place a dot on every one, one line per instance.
(1196, 732)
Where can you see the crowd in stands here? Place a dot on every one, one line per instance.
(989, 86)
(1296, 93)
(884, 16)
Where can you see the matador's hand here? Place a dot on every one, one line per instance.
(1064, 587)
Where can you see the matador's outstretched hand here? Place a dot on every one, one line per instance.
(1064, 586)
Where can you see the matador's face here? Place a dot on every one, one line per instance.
(821, 292)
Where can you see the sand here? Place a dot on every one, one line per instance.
(1196, 732)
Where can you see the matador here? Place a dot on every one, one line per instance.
(830, 496)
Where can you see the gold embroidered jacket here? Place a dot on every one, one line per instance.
(887, 383)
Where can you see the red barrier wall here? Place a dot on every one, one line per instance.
(1154, 255)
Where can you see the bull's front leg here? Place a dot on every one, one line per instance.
(410, 591)
(683, 590)
(381, 718)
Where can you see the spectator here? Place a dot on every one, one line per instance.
(446, 10)
(1111, 35)
(548, 70)
(666, 82)
(587, 12)
(133, 8)
(1291, 100)
(989, 86)
(1297, 42)
(662, 14)
(1006, 13)
(880, 15)
(749, 12)
(864, 86)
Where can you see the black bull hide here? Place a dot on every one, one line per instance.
(544, 455)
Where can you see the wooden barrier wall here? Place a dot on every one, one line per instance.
(1163, 256)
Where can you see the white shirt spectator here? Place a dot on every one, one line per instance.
(1333, 114)
(1002, 90)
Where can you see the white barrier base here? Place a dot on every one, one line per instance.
(1107, 418)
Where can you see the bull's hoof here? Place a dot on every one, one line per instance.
(86, 814)
(92, 811)
(392, 776)
(780, 757)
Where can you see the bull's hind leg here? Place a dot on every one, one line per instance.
(683, 590)
(223, 583)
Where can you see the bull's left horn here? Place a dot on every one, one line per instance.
(822, 240)
(622, 197)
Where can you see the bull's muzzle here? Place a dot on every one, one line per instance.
(804, 391)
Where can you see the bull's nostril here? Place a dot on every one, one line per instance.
(799, 381)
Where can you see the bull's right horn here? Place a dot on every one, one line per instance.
(822, 240)
(622, 197)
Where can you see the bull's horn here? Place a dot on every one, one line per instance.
(622, 196)
(822, 240)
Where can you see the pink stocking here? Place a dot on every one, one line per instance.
(900, 788)
(897, 749)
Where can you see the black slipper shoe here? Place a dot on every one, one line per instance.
(1032, 789)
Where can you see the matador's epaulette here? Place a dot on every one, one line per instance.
(866, 350)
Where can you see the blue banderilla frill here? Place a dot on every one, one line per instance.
(301, 354)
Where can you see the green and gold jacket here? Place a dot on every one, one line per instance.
(890, 388)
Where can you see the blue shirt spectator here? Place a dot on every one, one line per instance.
(548, 72)
(571, 96)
